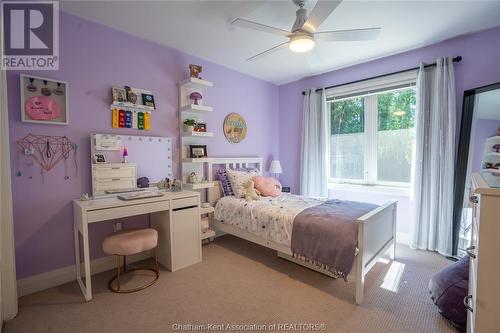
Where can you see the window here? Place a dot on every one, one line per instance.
(373, 136)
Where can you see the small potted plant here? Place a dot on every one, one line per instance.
(189, 125)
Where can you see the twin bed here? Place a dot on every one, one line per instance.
(269, 222)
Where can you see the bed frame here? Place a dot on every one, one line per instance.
(376, 234)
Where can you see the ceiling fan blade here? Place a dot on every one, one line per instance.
(320, 12)
(348, 35)
(268, 52)
(258, 26)
(313, 58)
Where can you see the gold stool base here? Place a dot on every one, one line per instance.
(125, 271)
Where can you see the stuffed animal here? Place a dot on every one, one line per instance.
(250, 192)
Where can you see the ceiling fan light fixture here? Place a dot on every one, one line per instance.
(301, 43)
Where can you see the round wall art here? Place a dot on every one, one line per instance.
(235, 128)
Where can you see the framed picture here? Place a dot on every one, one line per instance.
(99, 158)
(197, 151)
(200, 127)
(148, 100)
(119, 95)
(43, 100)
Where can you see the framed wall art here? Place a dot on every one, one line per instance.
(235, 128)
(197, 151)
(43, 100)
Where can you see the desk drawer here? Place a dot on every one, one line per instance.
(103, 172)
(131, 210)
(113, 184)
(185, 202)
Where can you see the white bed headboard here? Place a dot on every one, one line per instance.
(215, 192)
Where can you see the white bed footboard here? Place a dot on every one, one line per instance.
(376, 235)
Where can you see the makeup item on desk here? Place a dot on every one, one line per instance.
(128, 119)
(121, 118)
(85, 197)
(125, 155)
(143, 182)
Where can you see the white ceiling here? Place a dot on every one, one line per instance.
(202, 28)
(488, 105)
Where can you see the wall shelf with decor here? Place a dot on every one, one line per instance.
(195, 108)
(196, 84)
(198, 134)
(194, 133)
(491, 155)
(131, 107)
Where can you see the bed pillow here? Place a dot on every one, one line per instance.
(238, 180)
(225, 183)
(267, 186)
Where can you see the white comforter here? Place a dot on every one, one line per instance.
(270, 218)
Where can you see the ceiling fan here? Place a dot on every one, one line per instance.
(303, 34)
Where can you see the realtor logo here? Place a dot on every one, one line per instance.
(30, 35)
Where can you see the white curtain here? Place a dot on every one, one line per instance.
(7, 267)
(314, 150)
(435, 158)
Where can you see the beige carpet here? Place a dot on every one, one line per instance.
(243, 283)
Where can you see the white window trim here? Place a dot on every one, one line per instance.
(369, 89)
(394, 190)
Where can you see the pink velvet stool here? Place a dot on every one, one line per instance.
(128, 242)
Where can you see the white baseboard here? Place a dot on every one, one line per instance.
(39, 282)
(402, 238)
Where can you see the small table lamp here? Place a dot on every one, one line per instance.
(275, 168)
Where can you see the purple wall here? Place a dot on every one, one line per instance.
(485, 128)
(480, 66)
(94, 58)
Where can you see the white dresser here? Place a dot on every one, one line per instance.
(483, 301)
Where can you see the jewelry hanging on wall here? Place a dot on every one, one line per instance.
(47, 151)
(45, 91)
(66, 156)
(31, 87)
(75, 148)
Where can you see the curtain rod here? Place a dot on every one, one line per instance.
(455, 59)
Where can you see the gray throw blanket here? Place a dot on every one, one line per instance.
(327, 235)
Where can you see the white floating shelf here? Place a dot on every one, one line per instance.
(197, 84)
(194, 134)
(131, 107)
(197, 186)
(207, 234)
(493, 139)
(495, 171)
(493, 154)
(196, 160)
(194, 108)
(207, 210)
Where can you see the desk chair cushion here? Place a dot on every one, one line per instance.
(129, 242)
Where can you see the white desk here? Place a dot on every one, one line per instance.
(173, 215)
